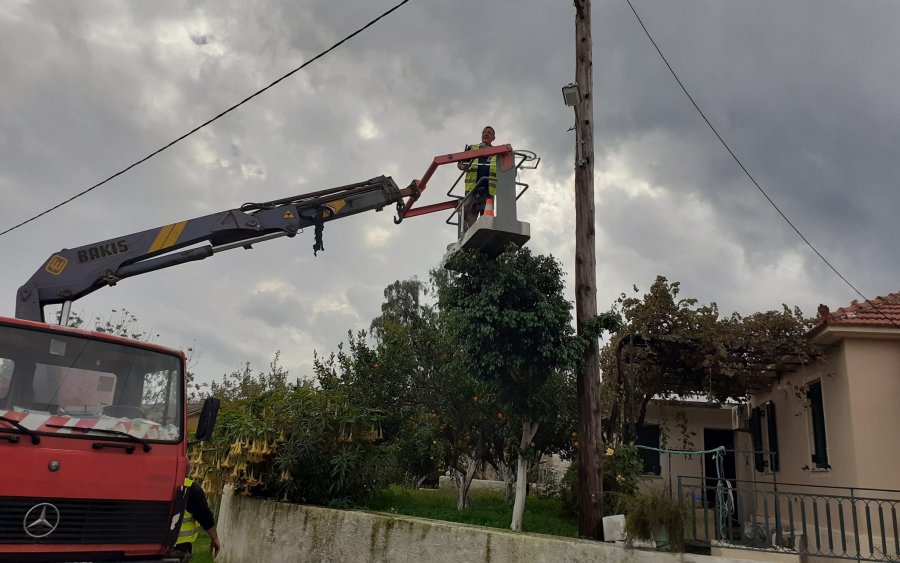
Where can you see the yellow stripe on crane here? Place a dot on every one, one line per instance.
(336, 206)
(167, 236)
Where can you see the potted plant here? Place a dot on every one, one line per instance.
(653, 515)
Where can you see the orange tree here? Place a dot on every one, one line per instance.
(513, 326)
(439, 418)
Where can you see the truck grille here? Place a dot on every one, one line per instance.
(83, 521)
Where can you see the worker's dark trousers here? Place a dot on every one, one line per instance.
(474, 207)
(182, 552)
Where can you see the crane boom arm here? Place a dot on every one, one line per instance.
(73, 273)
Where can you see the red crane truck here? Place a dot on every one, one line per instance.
(93, 435)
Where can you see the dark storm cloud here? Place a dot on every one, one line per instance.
(800, 97)
(803, 91)
(201, 39)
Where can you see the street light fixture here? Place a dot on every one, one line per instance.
(571, 94)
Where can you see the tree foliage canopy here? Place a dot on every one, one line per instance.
(671, 346)
(510, 320)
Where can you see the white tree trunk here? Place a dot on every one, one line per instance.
(465, 481)
(508, 472)
(529, 429)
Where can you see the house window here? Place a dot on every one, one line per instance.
(817, 425)
(648, 435)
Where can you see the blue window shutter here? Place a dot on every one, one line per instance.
(756, 430)
(772, 428)
(817, 412)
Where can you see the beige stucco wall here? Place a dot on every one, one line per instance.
(794, 430)
(874, 392)
(683, 427)
(860, 386)
(264, 531)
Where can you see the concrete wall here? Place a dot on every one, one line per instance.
(447, 483)
(265, 531)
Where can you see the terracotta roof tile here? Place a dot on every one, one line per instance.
(884, 313)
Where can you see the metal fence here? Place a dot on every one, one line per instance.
(814, 520)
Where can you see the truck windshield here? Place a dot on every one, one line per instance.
(51, 381)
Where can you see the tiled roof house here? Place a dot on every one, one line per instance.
(881, 312)
(831, 433)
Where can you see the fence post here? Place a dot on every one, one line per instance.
(855, 523)
(778, 524)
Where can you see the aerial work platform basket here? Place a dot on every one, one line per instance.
(489, 233)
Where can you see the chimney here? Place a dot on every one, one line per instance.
(824, 313)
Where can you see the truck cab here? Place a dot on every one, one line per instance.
(92, 443)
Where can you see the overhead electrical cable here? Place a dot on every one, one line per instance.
(747, 172)
(205, 123)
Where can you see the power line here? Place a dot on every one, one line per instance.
(747, 172)
(205, 123)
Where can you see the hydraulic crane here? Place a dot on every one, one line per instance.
(73, 273)
(93, 427)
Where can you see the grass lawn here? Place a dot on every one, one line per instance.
(201, 552)
(486, 508)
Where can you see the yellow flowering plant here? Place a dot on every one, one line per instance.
(623, 471)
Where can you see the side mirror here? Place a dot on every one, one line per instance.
(207, 422)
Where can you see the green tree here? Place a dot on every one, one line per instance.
(514, 327)
(554, 435)
(439, 416)
(119, 322)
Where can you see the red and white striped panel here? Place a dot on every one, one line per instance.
(41, 422)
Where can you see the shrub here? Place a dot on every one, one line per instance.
(622, 474)
(569, 489)
(651, 512)
(292, 442)
(549, 486)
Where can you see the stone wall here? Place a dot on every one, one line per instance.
(260, 531)
(447, 483)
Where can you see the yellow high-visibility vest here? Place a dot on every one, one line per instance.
(472, 173)
(190, 528)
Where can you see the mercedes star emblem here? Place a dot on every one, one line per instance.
(41, 520)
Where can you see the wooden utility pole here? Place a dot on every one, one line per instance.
(590, 453)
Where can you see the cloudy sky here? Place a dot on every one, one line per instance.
(805, 92)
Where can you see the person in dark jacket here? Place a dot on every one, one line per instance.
(197, 515)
